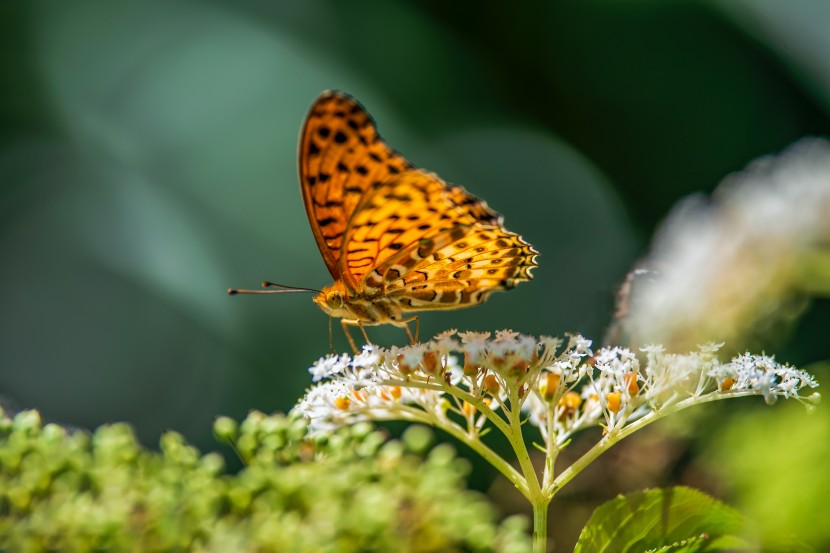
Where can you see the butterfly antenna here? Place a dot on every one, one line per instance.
(283, 289)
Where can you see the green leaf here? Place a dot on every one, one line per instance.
(663, 520)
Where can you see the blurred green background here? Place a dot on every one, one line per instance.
(148, 163)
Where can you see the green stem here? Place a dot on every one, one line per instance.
(540, 526)
(491, 415)
(520, 449)
(535, 495)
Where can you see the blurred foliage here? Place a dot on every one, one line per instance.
(775, 465)
(147, 156)
(350, 492)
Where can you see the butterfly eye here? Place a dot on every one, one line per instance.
(334, 300)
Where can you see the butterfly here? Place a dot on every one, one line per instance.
(395, 238)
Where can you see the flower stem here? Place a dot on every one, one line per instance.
(540, 526)
(517, 442)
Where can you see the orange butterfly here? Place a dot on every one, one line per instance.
(395, 238)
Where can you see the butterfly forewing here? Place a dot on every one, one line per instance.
(341, 157)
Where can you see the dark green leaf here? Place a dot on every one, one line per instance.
(669, 520)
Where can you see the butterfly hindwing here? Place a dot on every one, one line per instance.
(341, 158)
(465, 271)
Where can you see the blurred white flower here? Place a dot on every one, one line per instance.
(723, 268)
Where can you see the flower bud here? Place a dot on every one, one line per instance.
(726, 384)
(403, 366)
(470, 368)
(630, 380)
(225, 428)
(570, 401)
(549, 385)
(614, 400)
(491, 384)
(390, 392)
(568, 404)
(519, 367)
(468, 408)
(342, 403)
(431, 362)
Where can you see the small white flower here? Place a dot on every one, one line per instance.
(710, 347)
(527, 347)
(509, 343)
(475, 344)
(653, 349)
(445, 342)
(616, 361)
(577, 349)
(369, 357)
(328, 366)
(505, 336)
(446, 334)
(411, 356)
(550, 343)
(580, 345)
(473, 338)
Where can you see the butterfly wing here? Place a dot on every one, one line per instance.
(465, 271)
(431, 245)
(397, 215)
(341, 158)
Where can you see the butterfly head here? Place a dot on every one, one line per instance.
(332, 300)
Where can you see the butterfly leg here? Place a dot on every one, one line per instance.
(412, 339)
(345, 323)
(331, 336)
(363, 330)
(351, 322)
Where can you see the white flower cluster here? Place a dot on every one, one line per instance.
(763, 374)
(466, 379)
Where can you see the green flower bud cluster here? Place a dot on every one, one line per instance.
(352, 490)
